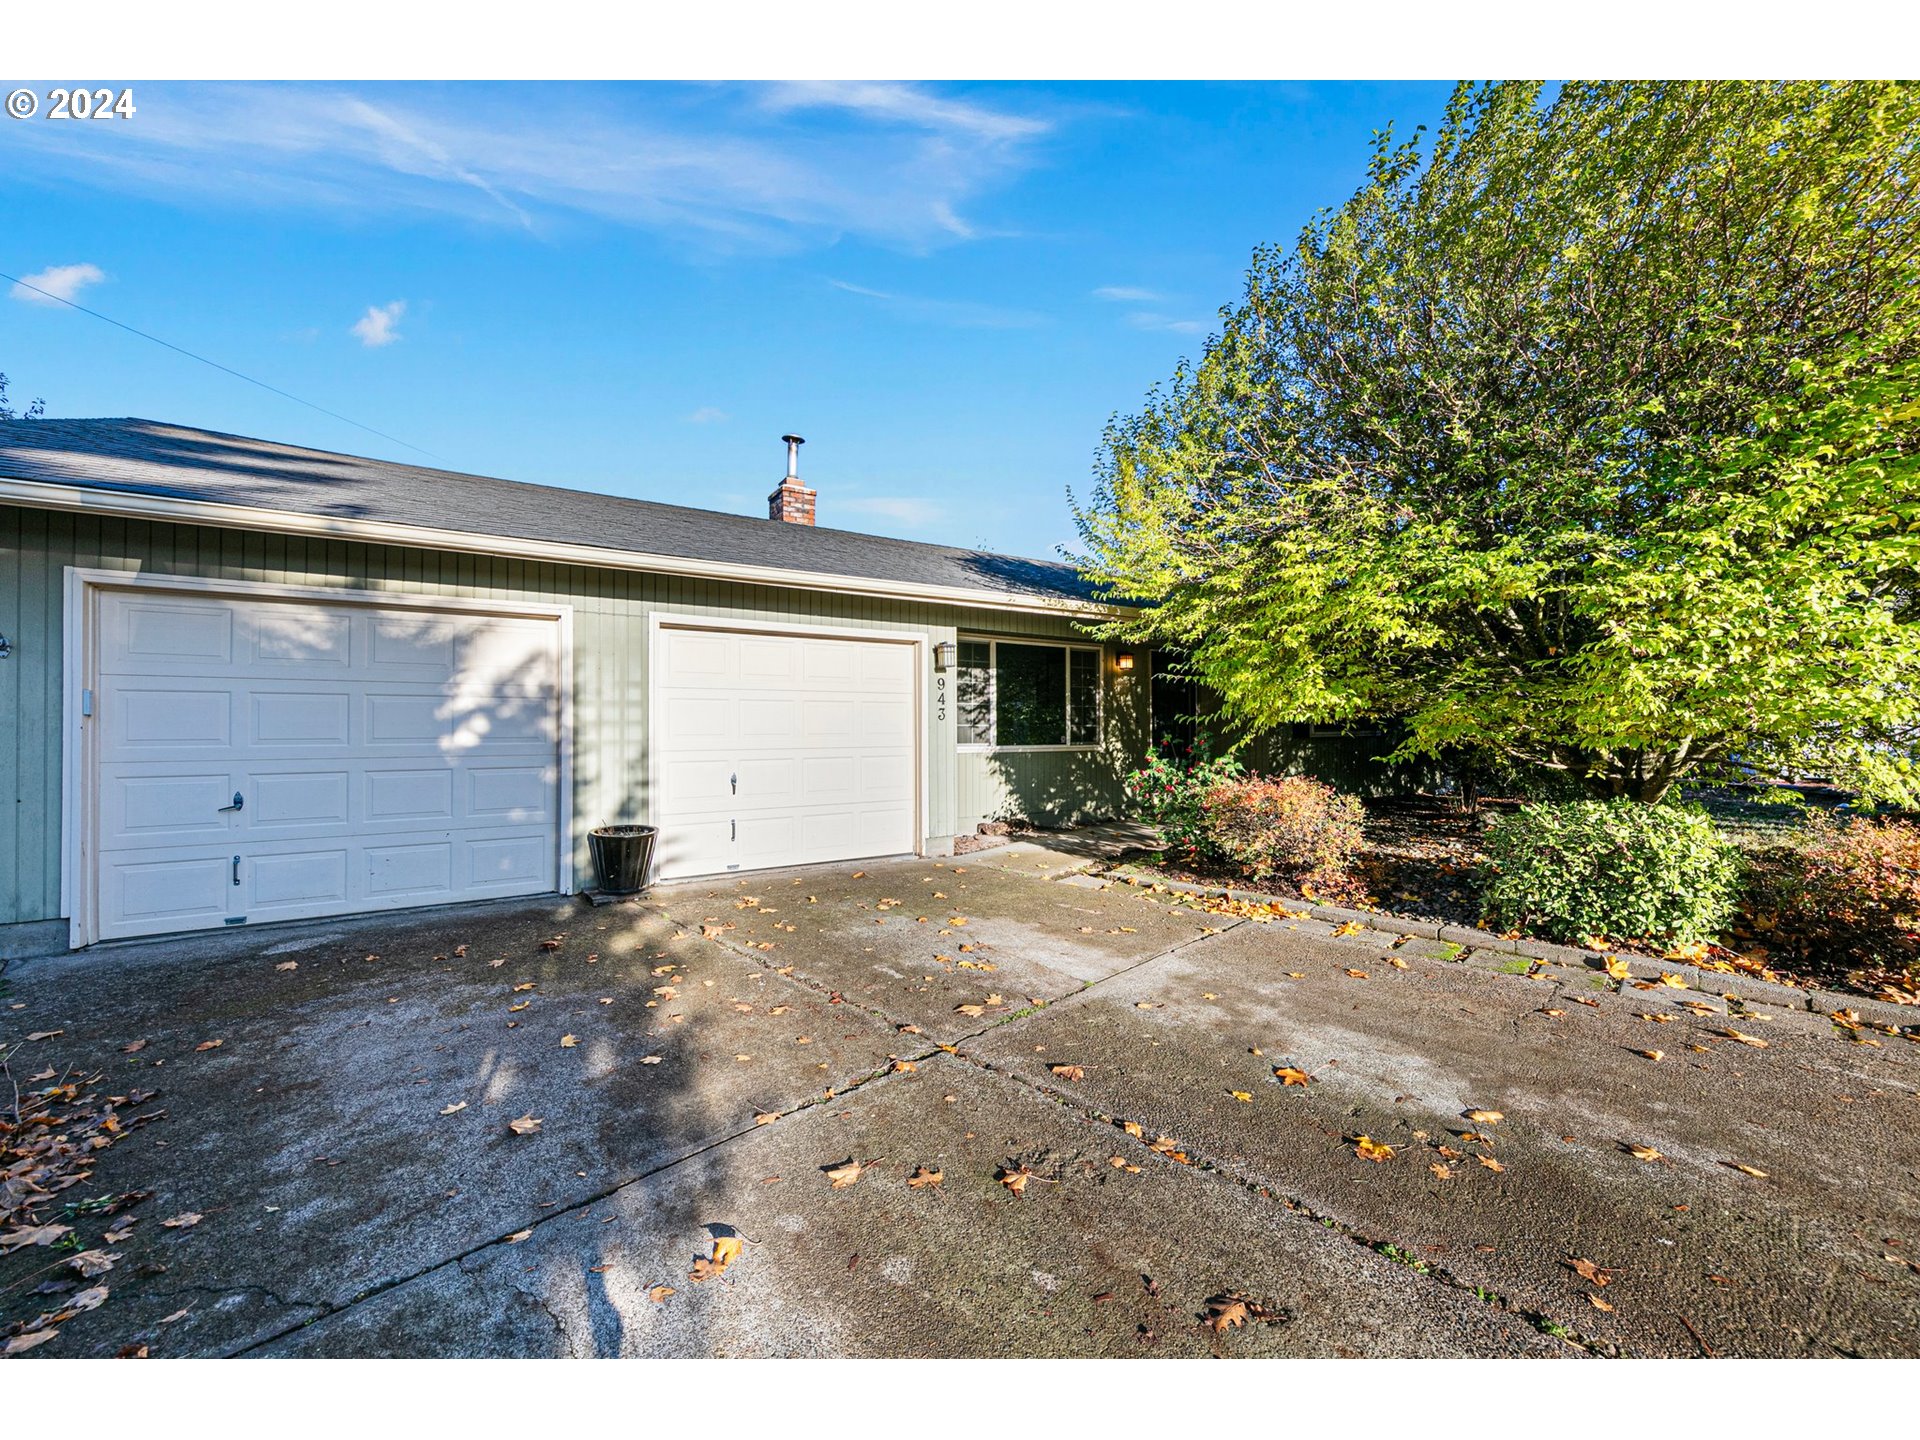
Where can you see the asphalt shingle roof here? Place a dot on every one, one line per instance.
(147, 457)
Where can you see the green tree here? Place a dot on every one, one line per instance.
(1582, 437)
(33, 411)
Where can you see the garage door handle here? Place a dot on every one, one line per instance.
(239, 803)
(236, 869)
(734, 781)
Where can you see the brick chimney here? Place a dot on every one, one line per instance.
(792, 501)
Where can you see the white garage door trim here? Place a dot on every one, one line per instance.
(912, 641)
(80, 767)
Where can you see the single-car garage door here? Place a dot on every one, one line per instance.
(781, 750)
(258, 759)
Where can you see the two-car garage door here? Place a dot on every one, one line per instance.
(245, 758)
(257, 759)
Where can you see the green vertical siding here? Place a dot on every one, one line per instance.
(611, 614)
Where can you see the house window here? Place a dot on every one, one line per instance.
(1016, 695)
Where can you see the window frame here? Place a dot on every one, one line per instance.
(1066, 649)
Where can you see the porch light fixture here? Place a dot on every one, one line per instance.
(1123, 661)
(944, 655)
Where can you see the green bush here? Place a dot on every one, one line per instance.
(1294, 829)
(1840, 895)
(1613, 869)
(1167, 792)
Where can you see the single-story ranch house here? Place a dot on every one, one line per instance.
(245, 682)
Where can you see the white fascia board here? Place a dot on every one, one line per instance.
(43, 495)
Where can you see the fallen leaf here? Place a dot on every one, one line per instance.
(651, 1059)
(848, 1172)
(1016, 1177)
(1597, 1302)
(25, 1235)
(1445, 1172)
(1643, 1152)
(454, 1108)
(519, 1235)
(726, 1249)
(923, 1177)
(186, 1219)
(1245, 1097)
(1587, 1270)
(180, 1314)
(203, 1045)
(55, 1034)
(20, 1344)
(1287, 1075)
(288, 965)
(1069, 1072)
(1752, 1170)
(1358, 974)
(1485, 1117)
(516, 1009)
(525, 1125)
(1673, 982)
(1367, 1148)
(660, 1292)
(1744, 1039)
(1491, 1163)
(1616, 968)
(93, 1262)
(1652, 1054)
(567, 1042)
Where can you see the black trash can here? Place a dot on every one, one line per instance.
(623, 857)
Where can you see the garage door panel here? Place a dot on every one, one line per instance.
(389, 757)
(510, 860)
(301, 797)
(424, 868)
(767, 661)
(520, 794)
(884, 722)
(830, 779)
(696, 722)
(300, 638)
(689, 845)
(164, 633)
(153, 719)
(885, 777)
(828, 722)
(693, 657)
(304, 718)
(162, 809)
(298, 878)
(829, 662)
(767, 721)
(170, 894)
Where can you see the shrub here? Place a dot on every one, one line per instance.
(1610, 868)
(1295, 829)
(1840, 895)
(1167, 792)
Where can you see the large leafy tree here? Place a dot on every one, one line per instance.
(1583, 437)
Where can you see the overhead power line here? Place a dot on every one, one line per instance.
(224, 369)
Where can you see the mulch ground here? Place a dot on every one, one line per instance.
(1420, 852)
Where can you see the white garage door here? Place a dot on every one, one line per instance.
(268, 760)
(781, 750)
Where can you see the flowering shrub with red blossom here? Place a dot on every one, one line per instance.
(1167, 793)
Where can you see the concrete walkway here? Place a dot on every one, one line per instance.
(1121, 1055)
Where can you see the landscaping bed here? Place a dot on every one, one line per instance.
(1419, 855)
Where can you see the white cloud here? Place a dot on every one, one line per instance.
(708, 415)
(60, 282)
(743, 168)
(907, 510)
(963, 314)
(1148, 320)
(376, 327)
(1129, 294)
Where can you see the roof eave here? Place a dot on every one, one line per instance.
(74, 498)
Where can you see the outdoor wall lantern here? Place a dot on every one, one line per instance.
(6, 647)
(1124, 660)
(944, 655)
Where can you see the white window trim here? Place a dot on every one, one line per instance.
(1066, 647)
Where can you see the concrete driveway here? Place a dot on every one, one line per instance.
(699, 1063)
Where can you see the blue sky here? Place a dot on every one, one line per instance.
(638, 288)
